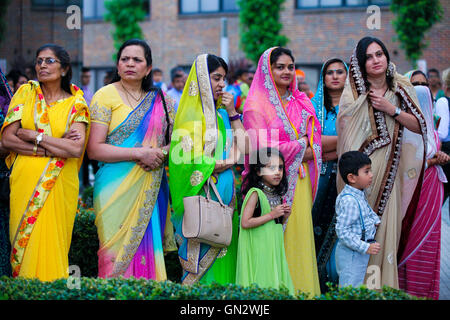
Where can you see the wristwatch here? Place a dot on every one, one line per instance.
(39, 138)
(397, 112)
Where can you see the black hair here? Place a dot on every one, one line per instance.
(215, 62)
(351, 162)
(64, 59)
(157, 70)
(259, 160)
(433, 70)
(419, 72)
(85, 69)
(326, 96)
(278, 52)
(14, 75)
(177, 76)
(147, 82)
(361, 49)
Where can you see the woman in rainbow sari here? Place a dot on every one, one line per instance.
(419, 263)
(130, 136)
(204, 145)
(45, 130)
(278, 115)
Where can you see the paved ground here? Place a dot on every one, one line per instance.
(444, 292)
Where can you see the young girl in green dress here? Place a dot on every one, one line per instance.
(261, 256)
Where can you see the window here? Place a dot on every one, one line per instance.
(207, 6)
(54, 3)
(95, 9)
(307, 4)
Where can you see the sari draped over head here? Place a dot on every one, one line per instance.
(397, 155)
(44, 190)
(419, 256)
(202, 134)
(131, 204)
(323, 212)
(269, 123)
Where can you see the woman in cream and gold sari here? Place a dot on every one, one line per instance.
(204, 145)
(45, 130)
(130, 136)
(379, 115)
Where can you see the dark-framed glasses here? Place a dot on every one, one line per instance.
(417, 83)
(47, 61)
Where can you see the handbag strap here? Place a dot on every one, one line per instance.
(213, 186)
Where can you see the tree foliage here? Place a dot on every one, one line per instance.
(125, 15)
(260, 26)
(413, 20)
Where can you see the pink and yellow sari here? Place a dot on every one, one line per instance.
(269, 123)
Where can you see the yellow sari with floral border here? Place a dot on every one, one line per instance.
(44, 190)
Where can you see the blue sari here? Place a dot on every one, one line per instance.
(323, 211)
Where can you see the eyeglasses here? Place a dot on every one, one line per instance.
(48, 61)
(419, 84)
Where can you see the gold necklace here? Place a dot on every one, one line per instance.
(129, 93)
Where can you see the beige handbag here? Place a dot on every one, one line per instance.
(206, 220)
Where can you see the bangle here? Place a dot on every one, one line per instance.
(237, 116)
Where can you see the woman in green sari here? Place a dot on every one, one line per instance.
(204, 145)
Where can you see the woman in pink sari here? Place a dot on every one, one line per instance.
(419, 253)
(276, 114)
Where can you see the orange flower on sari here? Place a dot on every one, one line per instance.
(23, 242)
(44, 117)
(48, 185)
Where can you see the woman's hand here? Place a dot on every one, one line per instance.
(228, 102)
(27, 135)
(381, 103)
(442, 158)
(149, 158)
(72, 134)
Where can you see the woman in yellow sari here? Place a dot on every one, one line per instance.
(45, 130)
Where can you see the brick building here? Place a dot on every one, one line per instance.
(179, 30)
(32, 23)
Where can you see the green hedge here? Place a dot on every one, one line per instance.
(141, 289)
(83, 253)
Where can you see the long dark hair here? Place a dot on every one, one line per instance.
(326, 96)
(64, 59)
(259, 160)
(361, 49)
(147, 82)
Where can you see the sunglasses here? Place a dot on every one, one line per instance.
(48, 61)
(419, 84)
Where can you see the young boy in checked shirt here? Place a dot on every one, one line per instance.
(356, 222)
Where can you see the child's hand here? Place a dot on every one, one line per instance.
(374, 248)
(278, 211)
(287, 210)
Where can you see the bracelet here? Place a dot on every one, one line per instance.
(237, 116)
(35, 150)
